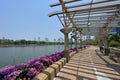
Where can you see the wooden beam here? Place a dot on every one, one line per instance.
(110, 21)
(71, 18)
(64, 10)
(98, 11)
(60, 21)
(95, 16)
(87, 4)
(87, 9)
(94, 8)
(65, 2)
(92, 23)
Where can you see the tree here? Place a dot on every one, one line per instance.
(23, 42)
(115, 37)
(91, 41)
(114, 40)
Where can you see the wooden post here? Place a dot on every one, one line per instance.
(71, 41)
(107, 51)
(75, 43)
(75, 38)
(65, 31)
(101, 45)
(81, 39)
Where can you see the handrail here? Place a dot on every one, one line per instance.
(115, 49)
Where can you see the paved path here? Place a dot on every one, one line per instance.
(89, 64)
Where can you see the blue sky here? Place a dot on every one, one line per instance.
(26, 19)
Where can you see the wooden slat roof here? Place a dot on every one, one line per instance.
(102, 13)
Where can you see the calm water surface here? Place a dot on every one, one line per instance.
(15, 55)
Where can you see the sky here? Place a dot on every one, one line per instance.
(28, 19)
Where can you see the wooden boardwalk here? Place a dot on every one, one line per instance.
(89, 64)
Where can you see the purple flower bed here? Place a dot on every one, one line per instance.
(72, 49)
(30, 69)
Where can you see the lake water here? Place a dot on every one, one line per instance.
(15, 55)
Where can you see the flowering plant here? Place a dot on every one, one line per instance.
(30, 69)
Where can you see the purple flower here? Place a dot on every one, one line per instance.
(7, 70)
(32, 72)
(31, 62)
(29, 69)
(38, 66)
(53, 57)
(13, 75)
(46, 60)
(72, 49)
(19, 67)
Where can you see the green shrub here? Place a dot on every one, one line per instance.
(91, 42)
(114, 43)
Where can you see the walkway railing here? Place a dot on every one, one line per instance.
(114, 54)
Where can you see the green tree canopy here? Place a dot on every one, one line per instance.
(115, 37)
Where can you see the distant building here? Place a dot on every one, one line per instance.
(115, 31)
(88, 37)
(46, 40)
(118, 30)
(38, 38)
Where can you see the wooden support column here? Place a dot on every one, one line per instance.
(80, 32)
(65, 31)
(81, 39)
(106, 48)
(105, 29)
(75, 37)
(66, 41)
(76, 43)
(101, 45)
(71, 41)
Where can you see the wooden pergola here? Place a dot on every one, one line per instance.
(97, 18)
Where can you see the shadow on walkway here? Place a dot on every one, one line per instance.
(80, 67)
(116, 66)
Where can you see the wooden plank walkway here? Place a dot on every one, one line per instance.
(89, 64)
